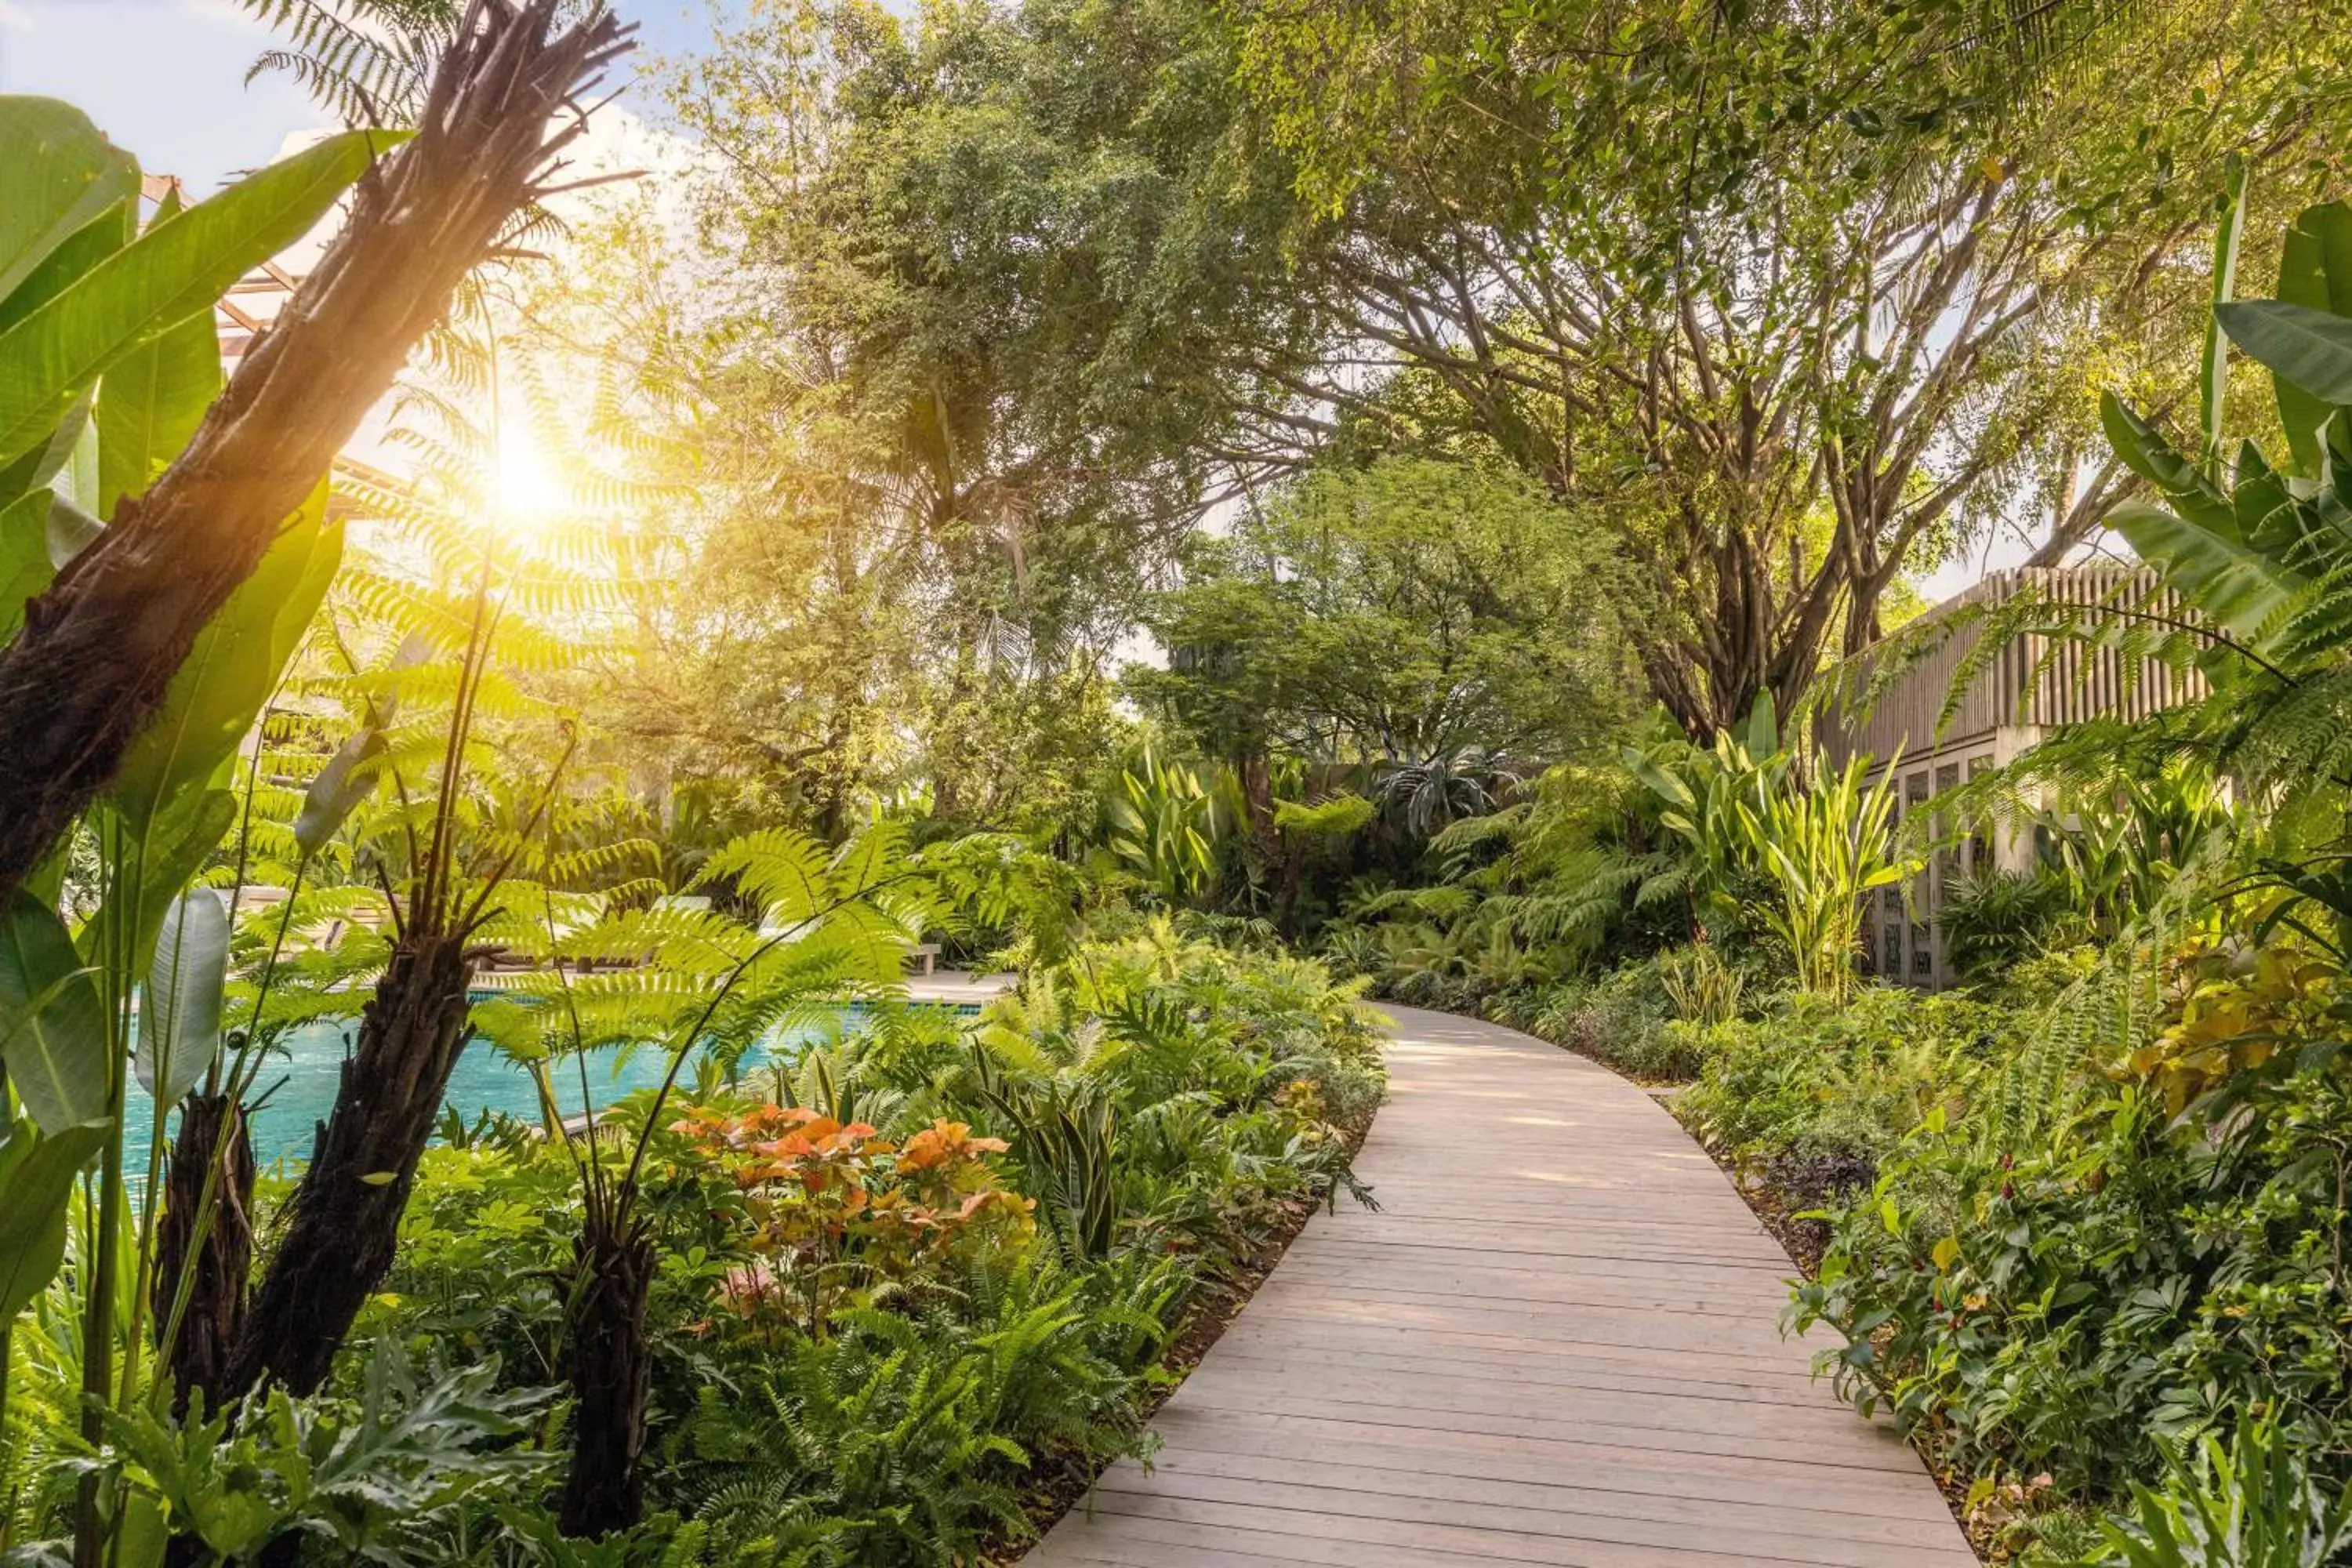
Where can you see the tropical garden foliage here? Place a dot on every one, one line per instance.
(1210, 512)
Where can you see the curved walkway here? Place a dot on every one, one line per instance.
(1556, 1342)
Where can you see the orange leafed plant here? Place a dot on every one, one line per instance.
(946, 1143)
(838, 1212)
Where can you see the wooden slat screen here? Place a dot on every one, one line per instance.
(2077, 683)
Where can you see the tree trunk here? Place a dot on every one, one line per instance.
(98, 647)
(345, 1221)
(1294, 878)
(218, 1274)
(1256, 772)
(610, 1369)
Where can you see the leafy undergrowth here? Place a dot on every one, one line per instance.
(2069, 1232)
(916, 1291)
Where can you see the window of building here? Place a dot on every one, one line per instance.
(1980, 862)
(1914, 796)
(1923, 951)
(1947, 858)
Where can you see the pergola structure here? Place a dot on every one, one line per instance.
(252, 302)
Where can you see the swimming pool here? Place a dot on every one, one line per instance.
(300, 1079)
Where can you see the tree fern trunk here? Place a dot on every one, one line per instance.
(100, 646)
(610, 1366)
(218, 1274)
(345, 1220)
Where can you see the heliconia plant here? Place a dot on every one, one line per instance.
(107, 367)
(1699, 791)
(1162, 824)
(2259, 546)
(1826, 848)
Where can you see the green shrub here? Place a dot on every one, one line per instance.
(1621, 1020)
(2117, 1229)
(1812, 1079)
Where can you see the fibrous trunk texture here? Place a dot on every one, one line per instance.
(611, 1369)
(100, 646)
(212, 1132)
(336, 1244)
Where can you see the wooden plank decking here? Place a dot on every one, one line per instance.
(1557, 1343)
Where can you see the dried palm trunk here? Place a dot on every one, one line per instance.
(343, 1223)
(610, 1366)
(100, 646)
(212, 1132)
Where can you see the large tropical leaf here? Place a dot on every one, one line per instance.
(36, 468)
(2238, 586)
(171, 271)
(2314, 272)
(172, 845)
(228, 675)
(2147, 453)
(24, 568)
(53, 1034)
(1763, 737)
(37, 1177)
(2213, 374)
(2310, 349)
(57, 176)
(179, 1023)
(1659, 781)
(151, 401)
(349, 778)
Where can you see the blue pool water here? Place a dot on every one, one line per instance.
(300, 1080)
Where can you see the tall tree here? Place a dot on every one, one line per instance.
(1752, 269)
(1802, 296)
(917, 527)
(1403, 614)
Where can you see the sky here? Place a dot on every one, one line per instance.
(166, 78)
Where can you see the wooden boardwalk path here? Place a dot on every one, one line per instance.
(1557, 1343)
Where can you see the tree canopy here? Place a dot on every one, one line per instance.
(1405, 612)
(1802, 298)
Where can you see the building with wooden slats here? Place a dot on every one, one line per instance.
(2033, 685)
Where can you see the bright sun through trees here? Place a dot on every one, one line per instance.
(726, 772)
(526, 489)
